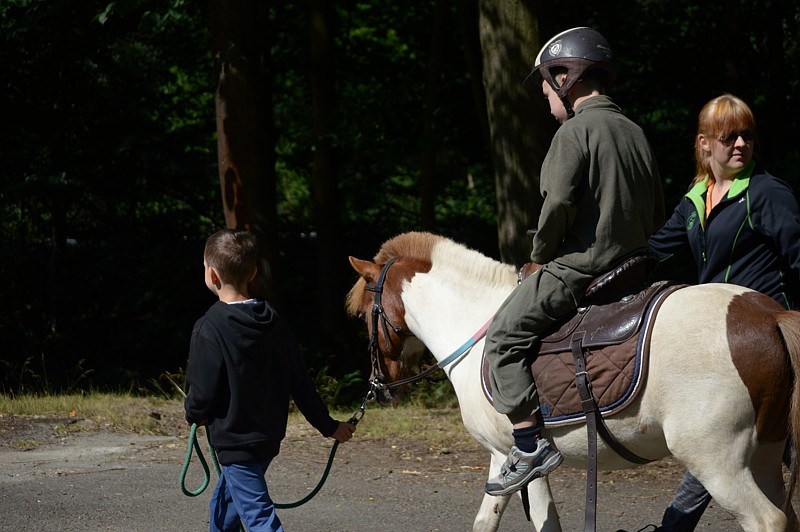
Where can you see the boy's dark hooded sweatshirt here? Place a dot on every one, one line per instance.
(243, 368)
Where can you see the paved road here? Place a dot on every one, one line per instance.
(124, 482)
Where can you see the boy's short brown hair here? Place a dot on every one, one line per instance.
(233, 254)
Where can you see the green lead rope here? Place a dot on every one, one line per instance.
(194, 446)
(318, 486)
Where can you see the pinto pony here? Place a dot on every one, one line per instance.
(718, 393)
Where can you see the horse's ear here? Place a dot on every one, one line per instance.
(366, 269)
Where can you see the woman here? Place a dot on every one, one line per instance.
(741, 226)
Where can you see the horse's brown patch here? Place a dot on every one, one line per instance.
(760, 357)
(416, 245)
(412, 253)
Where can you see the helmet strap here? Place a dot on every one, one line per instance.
(568, 107)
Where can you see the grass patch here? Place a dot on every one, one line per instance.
(437, 427)
(119, 411)
(24, 445)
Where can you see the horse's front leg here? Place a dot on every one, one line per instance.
(490, 512)
(544, 515)
(492, 508)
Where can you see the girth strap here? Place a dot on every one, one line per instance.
(594, 424)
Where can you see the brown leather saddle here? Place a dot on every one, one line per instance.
(611, 332)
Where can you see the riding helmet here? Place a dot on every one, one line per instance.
(580, 51)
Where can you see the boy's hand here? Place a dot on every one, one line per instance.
(344, 432)
(202, 423)
(527, 269)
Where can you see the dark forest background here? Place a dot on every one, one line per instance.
(134, 129)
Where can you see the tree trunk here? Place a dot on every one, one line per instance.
(772, 132)
(331, 261)
(430, 133)
(519, 123)
(468, 22)
(245, 134)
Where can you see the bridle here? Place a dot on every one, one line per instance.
(379, 313)
(379, 317)
(377, 382)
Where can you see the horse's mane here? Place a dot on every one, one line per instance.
(472, 268)
(468, 263)
(415, 244)
(418, 245)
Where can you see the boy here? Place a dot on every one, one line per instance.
(602, 199)
(243, 367)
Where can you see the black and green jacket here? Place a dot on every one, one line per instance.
(751, 238)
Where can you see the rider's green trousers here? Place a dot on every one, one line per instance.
(512, 340)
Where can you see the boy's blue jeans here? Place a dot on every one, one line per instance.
(241, 493)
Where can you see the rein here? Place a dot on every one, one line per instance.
(377, 381)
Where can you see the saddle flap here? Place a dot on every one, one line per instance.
(609, 324)
(613, 370)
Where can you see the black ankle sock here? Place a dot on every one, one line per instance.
(525, 439)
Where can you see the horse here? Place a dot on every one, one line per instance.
(718, 393)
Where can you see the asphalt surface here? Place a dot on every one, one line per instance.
(98, 480)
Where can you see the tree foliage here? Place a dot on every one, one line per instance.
(108, 184)
(109, 178)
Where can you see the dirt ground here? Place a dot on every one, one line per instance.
(98, 478)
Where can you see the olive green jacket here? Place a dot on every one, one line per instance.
(601, 189)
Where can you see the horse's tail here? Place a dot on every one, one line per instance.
(789, 325)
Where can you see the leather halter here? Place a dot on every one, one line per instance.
(377, 381)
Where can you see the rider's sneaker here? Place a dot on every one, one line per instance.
(521, 467)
